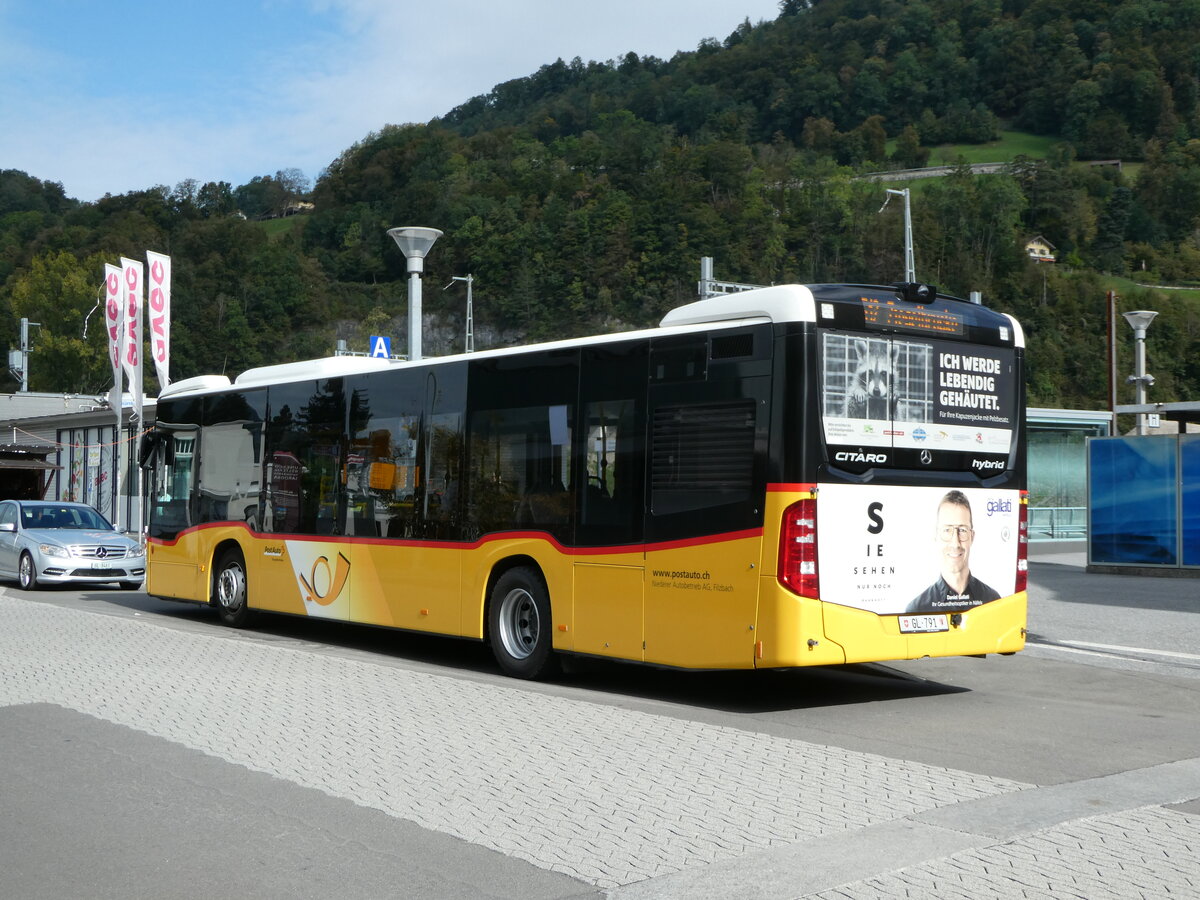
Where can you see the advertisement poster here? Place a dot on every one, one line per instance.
(914, 393)
(896, 550)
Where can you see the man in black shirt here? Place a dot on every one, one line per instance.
(957, 589)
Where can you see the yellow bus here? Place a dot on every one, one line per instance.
(790, 476)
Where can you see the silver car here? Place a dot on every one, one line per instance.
(47, 542)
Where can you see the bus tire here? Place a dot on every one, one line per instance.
(231, 594)
(519, 624)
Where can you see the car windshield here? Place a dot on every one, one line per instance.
(77, 517)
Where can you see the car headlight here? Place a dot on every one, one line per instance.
(136, 551)
(54, 550)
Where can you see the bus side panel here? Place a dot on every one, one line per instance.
(608, 605)
(172, 570)
(272, 567)
(413, 587)
(701, 603)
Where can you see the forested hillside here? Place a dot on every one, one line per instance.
(582, 197)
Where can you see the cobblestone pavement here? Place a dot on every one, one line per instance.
(641, 804)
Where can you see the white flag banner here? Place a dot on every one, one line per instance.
(113, 320)
(131, 359)
(159, 314)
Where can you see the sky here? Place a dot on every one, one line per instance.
(111, 97)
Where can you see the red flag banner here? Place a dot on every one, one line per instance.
(113, 320)
(131, 359)
(159, 314)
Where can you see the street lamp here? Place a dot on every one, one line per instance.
(1139, 321)
(414, 242)
(469, 279)
(910, 265)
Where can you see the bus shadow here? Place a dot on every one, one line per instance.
(747, 691)
(730, 691)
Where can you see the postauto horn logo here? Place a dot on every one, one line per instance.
(323, 585)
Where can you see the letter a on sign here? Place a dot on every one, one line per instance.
(381, 347)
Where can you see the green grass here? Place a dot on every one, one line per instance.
(1126, 287)
(279, 228)
(1011, 145)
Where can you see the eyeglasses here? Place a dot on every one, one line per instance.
(950, 532)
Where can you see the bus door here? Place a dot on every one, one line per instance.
(707, 442)
(609, 568)
(172, 458)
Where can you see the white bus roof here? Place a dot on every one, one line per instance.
(780, 303)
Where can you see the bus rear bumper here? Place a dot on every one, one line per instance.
(801, 631)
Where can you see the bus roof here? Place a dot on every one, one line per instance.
(778, 303)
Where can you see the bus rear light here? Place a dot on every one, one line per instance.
(1023, 543)
(798, 549)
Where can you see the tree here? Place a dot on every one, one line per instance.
(909, 154)
(59, 293)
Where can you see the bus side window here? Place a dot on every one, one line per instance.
(611, 494)
(520, 470)
(440, 497)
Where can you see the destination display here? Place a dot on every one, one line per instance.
(891, 315)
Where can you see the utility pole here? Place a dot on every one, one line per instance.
(18, 360)
(910, 265)
(470, 280)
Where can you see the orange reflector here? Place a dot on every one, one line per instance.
(758, 650)
(562, 627)
(424, 612)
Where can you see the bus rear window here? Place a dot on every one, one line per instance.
(887, 399)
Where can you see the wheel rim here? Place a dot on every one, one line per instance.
(26, 574)
(519, 623)
(231, 588)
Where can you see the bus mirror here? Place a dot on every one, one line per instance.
(147, 447)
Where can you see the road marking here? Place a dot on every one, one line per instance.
(1114, 651)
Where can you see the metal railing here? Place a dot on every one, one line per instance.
(1056, 523)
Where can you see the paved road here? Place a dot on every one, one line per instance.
(148, 753)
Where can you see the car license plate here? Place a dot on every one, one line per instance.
(923, 624)
(101, 564)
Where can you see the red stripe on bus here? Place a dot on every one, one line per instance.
(475, 545)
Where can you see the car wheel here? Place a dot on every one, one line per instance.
(230, 593)
(27, 573)
(520, 626)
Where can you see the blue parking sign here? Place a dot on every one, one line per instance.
(381, 346)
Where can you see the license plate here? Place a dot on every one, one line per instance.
(923, 624)
(101, 564)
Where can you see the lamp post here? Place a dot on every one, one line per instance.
(470, 280)
(910, 265)
(414, 242)
(1139, 321)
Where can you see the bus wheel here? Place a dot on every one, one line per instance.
(519, 624)
(229, 590)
